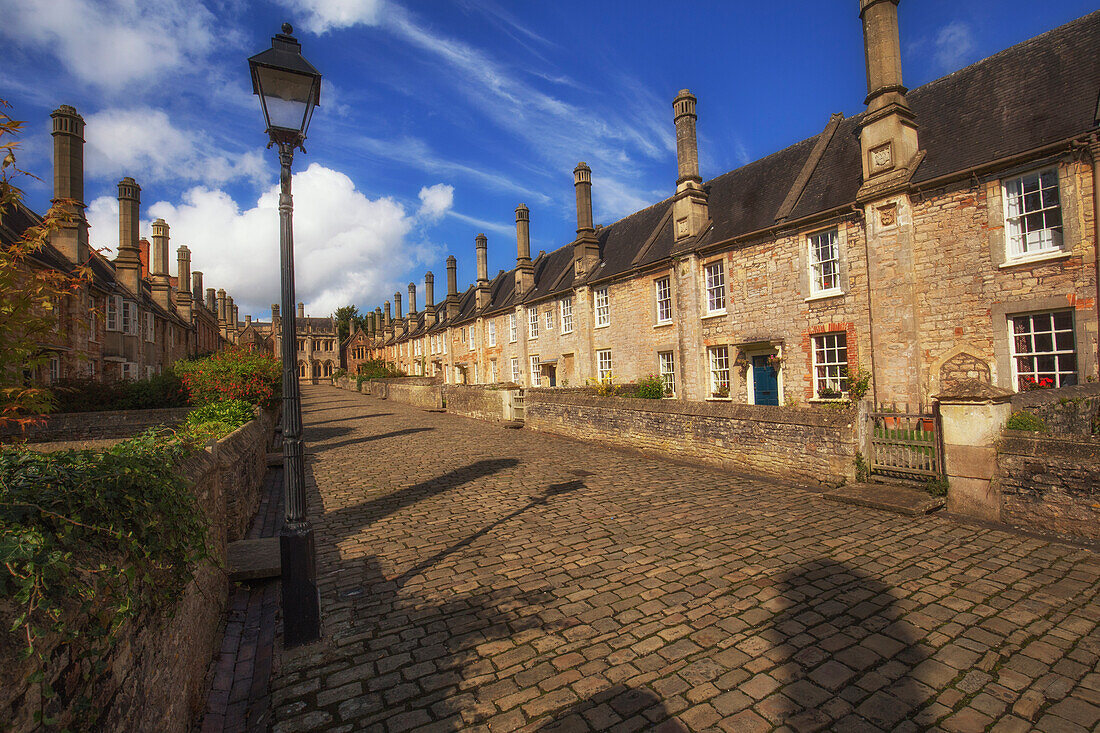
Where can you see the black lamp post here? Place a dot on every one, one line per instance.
(289, 88)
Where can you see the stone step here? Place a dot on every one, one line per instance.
(254, 559)
(889, 497)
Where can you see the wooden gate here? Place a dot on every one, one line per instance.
(906, 444)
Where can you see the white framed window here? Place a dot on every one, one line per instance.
(473, 338)
(55, 369)
(128, 325)
(824, 259)
(444, 338)
(567, 315)
(603, 307)
(831, 366)
(492, 371)
(662, 290)
(512, 335)
(532, 323)
(603, 364)
(1044, 350)
(666, 363)
(129, 369)
(548, 319)
(93, 323)
(150, 333)
(516, 376)
(719, 358)
(91, 369)
(114, 308)
(715, 277)
(476, 380)
(148, 372)
(1033, 214)
(492, 333)
(536, 371)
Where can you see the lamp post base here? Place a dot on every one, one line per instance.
(301, 599)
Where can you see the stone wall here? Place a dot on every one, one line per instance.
(1067, 410)
(424, 392)
(481, 402)
(155, 675)
(78, 426)
(1050, 482)
(809, 445)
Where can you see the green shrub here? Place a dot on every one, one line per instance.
(379, 369)
(1028, 421)
(215, 420)
(651, 387)
(936, 486)
(233, 374)
(340, 373)
(86, 395)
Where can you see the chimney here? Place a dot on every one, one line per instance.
(230, 315)
(525, 272)
(301, 310)
(211, 301)
(452, 287)
(412, 300)
(247, 321)
(481, 246)
(222, 317)
(128, 259)
(690, 213)
(274, 318)
(429, 298)
(71, 238)
(196, 288)
(143, 255)
(586, 248)
(398, 316)
(888, 132)
(159, 270)
(387, 321)
(378, 324)
(183, 280)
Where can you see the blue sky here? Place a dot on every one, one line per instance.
(438, 118)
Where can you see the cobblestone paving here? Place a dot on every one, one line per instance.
(479, 578)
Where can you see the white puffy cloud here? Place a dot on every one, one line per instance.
(112, 43)
(435, 201)
(348, 247)
(321, 16)
(143, 143)
(954, 45)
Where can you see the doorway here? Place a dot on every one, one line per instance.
(765, 381)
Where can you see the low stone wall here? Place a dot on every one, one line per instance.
(80, 426)
(423, 392)
(154, 678)
(809, 445)
(1050, 482)
(1067, 410)
(480, 401)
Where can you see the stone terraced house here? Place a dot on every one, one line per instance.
(948, 232)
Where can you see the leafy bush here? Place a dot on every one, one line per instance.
(650, 388)
(339, 373)
(937, 486)
(379, 369)
(86, 395)
(215, 420)
(1028, 421)
(233, 374)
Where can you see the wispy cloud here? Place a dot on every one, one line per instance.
(483, 225)
(954, 46)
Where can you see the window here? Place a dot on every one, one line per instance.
(536, 371)
(150, 334)
(716, 287)
(1033, 216)
(824, 262)
(128, 325)
(603, 364)
(492, 371)
(532, 323)
(663, 290)
(444, 339)
(567, 315)
(548, 321)
(516, 376)
(472, 338)
(667, 365)
(93, 323)
(91, 369)
(511, 328)
(492, 333)
(148, 372)
(55, 369)
(603, 308)
(128, 369)
(1044, 350)
(476, 380)
(830, 366)
(114, 305)
(719, 371)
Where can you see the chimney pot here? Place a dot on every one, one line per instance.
(412, 299)
(301, 310)
(196, 286)
(68, 183)
(429, 290)
(687, 147)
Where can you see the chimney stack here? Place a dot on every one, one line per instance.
(230, 314)
(412, 301)
(378, 324)
(690, 212)
(301, 310)
(128, 259)
(387, 319)
(196, 288)
(158, 272)
(211, 301)
(71, 238)
(586, 248)
(525, 272)
(247, 321)
(183, 279)
(222, 316)
(429, 290)
(452, 287)
(888, 132)
(481, 246)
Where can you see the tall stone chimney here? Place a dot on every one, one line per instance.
(412, 301)
(690, 212)
(211, 301)
(430, 315)
(247, 321)
(888, 131)
(378, 324)
(301, 310)
(183, 280)
(196, 288)
(230, 314)
(452, 287)
(128, 259)
(586, 248)
(223, 317)
(71, 238)
(387, 321)
(158, 271)
(398, 313)
(481, 247)
(525, 271)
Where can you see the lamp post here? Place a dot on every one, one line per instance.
(289, 89)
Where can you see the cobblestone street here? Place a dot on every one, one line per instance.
(475, 577)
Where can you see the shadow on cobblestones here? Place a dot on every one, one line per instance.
(366, 439)
(613, 706)
(848, 658)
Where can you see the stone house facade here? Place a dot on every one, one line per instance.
(947, 232)
(318, 348)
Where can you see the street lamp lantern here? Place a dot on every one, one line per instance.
(289, 88)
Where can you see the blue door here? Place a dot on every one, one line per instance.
(765, 382)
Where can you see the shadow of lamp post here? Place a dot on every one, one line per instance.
(289, 89)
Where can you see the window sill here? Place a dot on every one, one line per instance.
(719, 399)
(603, 326)
(824, 295)
(1035, 259)
(663, 324)
(828, 400)
(714, 314)
(566, 333)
